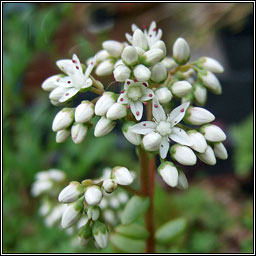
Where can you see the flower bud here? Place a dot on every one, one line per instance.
(208, 156)
(121, 73)
(103, 127)
(141, 73)
(50, 83)
(181, 51)
(100, 234)
(152, 56)
(158, 73)
(139, 50)
(102, 55)
(105, 68)
(181, 88)
(71, 192)
(93, 195)
(211, 82)
(93, 212)
(78, 132)
(109, 185)
(211, 64)
(200, 94)
(72, 213)
(114, 48)
(84, 234)
(122, 176)
(182, 154)
(198, 141)
(213, 133)
(62, 135)
(63, 119)
(132, 137)
(116, 111)
(130, 55)
(220, 151)
(56, 175)
(152, 141)
(182, 181)
(84, 112)
(57, 93)
(40, 187)
(159, 45)
(104, 103)
(169, 173)
(163, 95)
(168, 62)
(198, 116)
(55, 215)
(139, 39)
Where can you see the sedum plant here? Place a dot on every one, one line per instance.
(160, 108)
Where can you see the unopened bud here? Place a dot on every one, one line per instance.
(103, 127)
(163, 95)
(104, 103)
(168, 62)
(84, 112)
(63, 119)
(121, 73)
(105, 68)
(114, 48)
(141, 73)
(213, 133)
(169, 173)
(158, 73)
(152, 56)
(181, 88)
(198, 141)
(93, 195)
(181, 51)
(71, 192)
(160, 45)
(116, 111)
(183, 154)
(152, 141)
(51, 83)
(78, 132)
(109, 185)
(102, 55)
(132, 137)
(139, 39)
(211, 64)
(62, 135)
(122, 176)
(220, 151)
(200, 94)
(93, 212)
(130, 55)
(198, 116)
(208, 156)
(84, 234)
(211, 82)
(182, 181)
(100, 234)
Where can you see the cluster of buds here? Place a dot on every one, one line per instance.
(83, 199)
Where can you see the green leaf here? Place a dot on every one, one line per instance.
(170, 230)
(126, 244)
(133, 230)
(134, 208)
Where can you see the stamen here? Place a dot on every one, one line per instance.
(145, 103)
(182, 110)
(155, 106)
(128, 82)
(137, 113)
(74, 61)
(144, 125)
(77, 67)
(121, 99)
(122, 91)
(155, 29)
(145, 84)
(150, 95)
(92, 63)
(69, 82)
(135, 80)
(150, 35)
(144, 27)
(67, 94)
(128, 106)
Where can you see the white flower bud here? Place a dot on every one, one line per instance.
(152, 56)
(130, 55)
(56, 175)
(141, 73)
(139, 39)
(182, 181)
(181, 88)
(105, 68)
(71, 192)
(181, 51)
(163, 95)
(50, 83)
(213, 133)
(62, 135)
(198, 116)
(169, 173)
(211, 64)
(220, 151)
(116, 111)
(182, 154)
(132, 137)
(160, 45)
(211, 82)
(139, 50)
(158, 73)
(104, 103)
(114, 48)
(121, 73)
(200, 94)
(40, 187)
(93, 212)
(152, 141)
(122, 176)
(198, 141)
(168, 62)
(103, 127)
(119, 62)
(55, 215)
(109, 185)
(208, 156)
(114, 202)
(72, 214)
(78, 132)
(93, 195)
(57, 93)
(63, 119)
(84, 234)
(100, 234)
(102, 55)
(84, 112)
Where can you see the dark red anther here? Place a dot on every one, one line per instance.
(128, 106)
(122, 91)
(91, 63)
(150, 35)
(144, 27)
(145, 84)
(67, 94)
(69, 82)
(121, 99)
(137, 113)
(182, 110)
(145, 103)
(77, 67)
(155, 106)
(135, 80)
(128, 82)
(74, 61)
(150, 95)
(144, 124)
(155, 29)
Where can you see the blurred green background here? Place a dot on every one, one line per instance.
(218, 205)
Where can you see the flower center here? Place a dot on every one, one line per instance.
(134, 93)
(164, 128)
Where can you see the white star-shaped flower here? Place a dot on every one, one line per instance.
(75, 79)
(134, 95)
(165, 126)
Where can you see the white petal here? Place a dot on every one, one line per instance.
(137, 109)
(152, 27)
(128, 37)
(122, 99)
(65, 65)
(147, 95)
(164, 147)
(127, 83)
(69, 94)
(88, 83)
(65, 82)
(177, 114)
(143, 127)
(134, 27)
(158, 111)
(90, 67)
(180, 136)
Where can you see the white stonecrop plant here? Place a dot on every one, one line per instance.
(168, 87)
